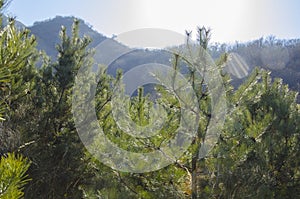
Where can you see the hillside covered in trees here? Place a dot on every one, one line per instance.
(280, 56)
(42, 155)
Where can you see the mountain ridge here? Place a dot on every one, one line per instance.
(265, 52)
(47, 33)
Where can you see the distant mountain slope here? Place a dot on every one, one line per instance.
(47, 33)
(281, 57)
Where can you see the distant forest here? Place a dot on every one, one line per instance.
(280, 56)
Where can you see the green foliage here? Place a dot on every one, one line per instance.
(257, 155)
(115, 184)
(57, 150)
(16, 65)
(15, 55)
(17, 70)
(13, 176)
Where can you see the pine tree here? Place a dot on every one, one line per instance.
(57, 152)
(257, 154)
(13, 71)
(17, 59)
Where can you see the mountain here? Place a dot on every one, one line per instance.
(281, 57)
(47, 33)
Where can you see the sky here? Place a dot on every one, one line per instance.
(230, 20)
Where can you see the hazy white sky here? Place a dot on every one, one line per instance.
(230, 20)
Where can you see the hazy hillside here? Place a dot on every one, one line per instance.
(47, 33)
(282, 57)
